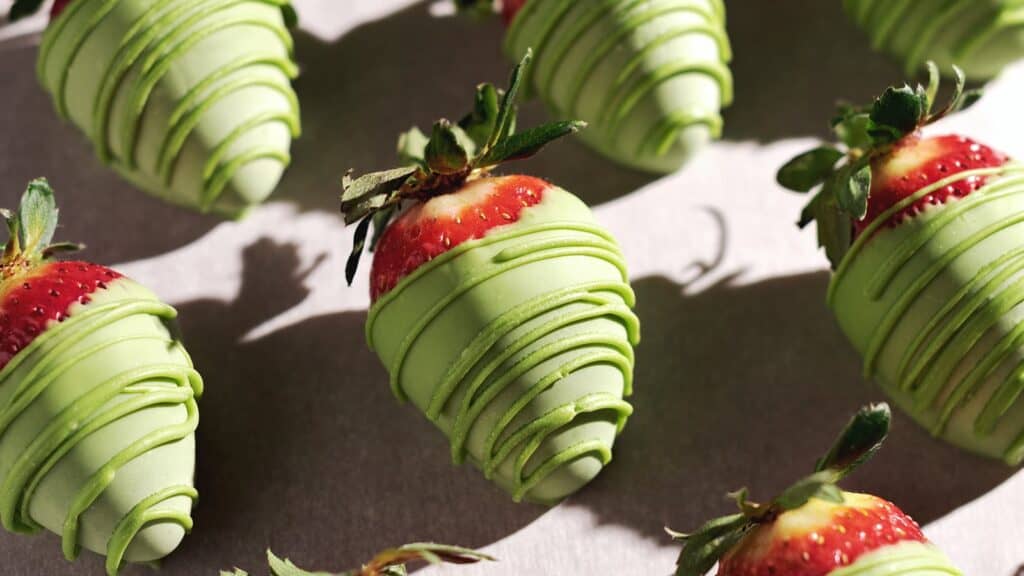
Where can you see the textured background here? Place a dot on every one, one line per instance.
(742, 378)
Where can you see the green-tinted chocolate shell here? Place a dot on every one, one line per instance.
(649, 76)
(903, 559)
(97, 421)
(191, 100)
(519, 346)
(936, 306)
(980, 36)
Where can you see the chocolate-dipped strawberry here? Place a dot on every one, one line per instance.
(191, 100)
(981, 36)
(388, 563)
(97, 401)
(924, 235)
(649, 77)
(816, 529)
(501, 308)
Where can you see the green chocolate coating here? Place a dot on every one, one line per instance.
(190, 100)
(650, 77)
(519, 346)
(903, 559)
(980, 36)
(936, 307)
(97, 421)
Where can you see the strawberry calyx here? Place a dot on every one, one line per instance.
(453, 155)
(30, 233)
(388, 563)
(843, 174)
(856, 444)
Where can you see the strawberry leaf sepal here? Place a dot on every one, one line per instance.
(30, 230)
(388, 563)
(856, 444)
(23, 9)
(453, 154)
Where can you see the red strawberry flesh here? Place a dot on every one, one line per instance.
(32, 302)
(58, 7)
(509, 10)
(432, 228)
(820, 537)
(918, 162)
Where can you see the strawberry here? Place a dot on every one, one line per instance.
(388, 563)
(886, 161)
(815, 529)
(219, 141)
(650, 79)
(923, 235)
(505, 266)
(83, 348)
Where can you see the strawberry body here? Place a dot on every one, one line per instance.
(511, 8)
(32, 302)
(430, 229)
(58, 7)
(820, 537)
(915, 163)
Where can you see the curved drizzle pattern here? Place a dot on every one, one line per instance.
(635, 71)
(123, 392)
(159, 37)
(904, 559)
(980, 35)
(952, 339)
(543, 329)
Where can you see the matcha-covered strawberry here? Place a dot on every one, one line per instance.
(925, 237)
(189, 100)
(388, 563)
(982, 36)
(815, 529)
(97, 401)
(501, 308)
(649, 77)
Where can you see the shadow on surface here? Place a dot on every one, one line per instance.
(355, 105)
(302, 447)
(794, 60)
(98, 207)
(754, 404)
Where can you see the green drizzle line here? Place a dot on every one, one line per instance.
(169, 384)
(959, 324)
(160, 36)
(602, 300)
(558, 35)
(904, 559)
(883, 18)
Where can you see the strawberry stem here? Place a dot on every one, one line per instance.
(30, 231)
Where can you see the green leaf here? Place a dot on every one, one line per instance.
(859, 441)
(505, 124)
(237, 572)
(810, 211)
(933, 86)
(482, 121)
(23, 8)
(710, 543)
(854, 189)
(61, 248)
(37, 216)
(279, 567)
(834, 226)
(381, 221)
(809, 169)
(854, 131)
(358, 244)
(899, 111)
(444, 153)
(426, 552)
(818, 485)
(372, 191)
(412, 147)
(525, 144)
(291, 17)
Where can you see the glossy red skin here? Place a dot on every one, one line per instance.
(509, 10)
(58, 7)
(957, 154)
(409, 241)
(34, 301)
(853, 532)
